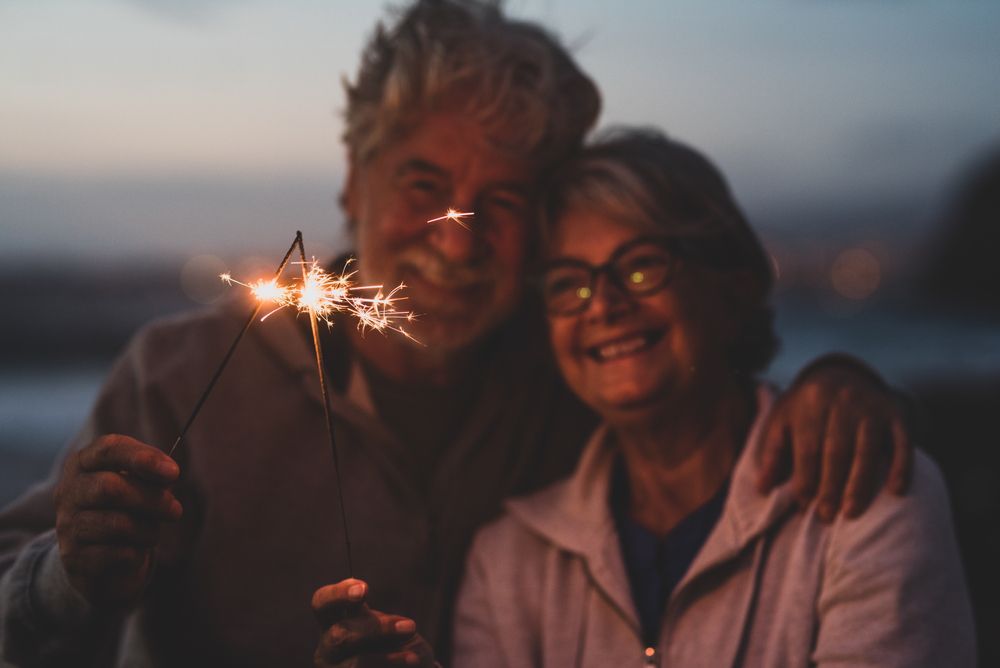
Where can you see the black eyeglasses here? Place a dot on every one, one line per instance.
(640, 267)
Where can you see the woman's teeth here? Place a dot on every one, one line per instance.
(620, 348)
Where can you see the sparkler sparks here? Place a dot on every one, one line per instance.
(325, 294)
(454, 215)
(320, 295)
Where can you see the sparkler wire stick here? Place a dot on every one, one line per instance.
(321, 369)
(229, 353)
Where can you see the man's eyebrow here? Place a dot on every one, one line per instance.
(515, 188)
(420, 166)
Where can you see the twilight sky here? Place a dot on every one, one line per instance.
(147, 128)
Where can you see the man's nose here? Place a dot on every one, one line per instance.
(456, 238)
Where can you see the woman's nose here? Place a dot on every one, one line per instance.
(608, 299)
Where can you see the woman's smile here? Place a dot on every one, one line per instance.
(628, 345)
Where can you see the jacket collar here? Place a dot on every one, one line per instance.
(574, 514)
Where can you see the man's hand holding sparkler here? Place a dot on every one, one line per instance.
(113, 497)
(356, 635)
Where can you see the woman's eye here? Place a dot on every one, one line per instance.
(560, 285)
(646, 260)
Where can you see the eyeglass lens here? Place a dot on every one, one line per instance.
(640, 270)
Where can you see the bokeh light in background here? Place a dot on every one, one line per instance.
(200, 278)
(856, 273)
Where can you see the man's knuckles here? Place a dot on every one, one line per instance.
(114, 491)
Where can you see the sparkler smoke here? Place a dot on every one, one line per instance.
(454, 215)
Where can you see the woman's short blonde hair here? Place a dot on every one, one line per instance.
(512, 76)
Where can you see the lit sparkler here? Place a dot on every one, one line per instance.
(454, 215)
(320, 295)
(314, 298)
(325, 294)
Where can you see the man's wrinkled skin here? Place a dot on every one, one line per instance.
(111, 501)
(835, 432)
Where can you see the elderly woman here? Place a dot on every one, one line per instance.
(659, 549)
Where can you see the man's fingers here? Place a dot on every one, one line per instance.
(902, 457)
(121, 453)
(864, 479)
(836, 457)
(416, 652)
(372, 632)
(403, 658)
(114, 491)
(806, 453)
(334, 602)
(774, 459)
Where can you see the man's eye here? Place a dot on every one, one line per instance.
(424, 186)
(507, 204)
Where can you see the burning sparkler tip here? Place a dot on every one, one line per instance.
(325, 294)
(456, 216)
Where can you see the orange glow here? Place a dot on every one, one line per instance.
(326, 294)
(455, 216)
(856, 273)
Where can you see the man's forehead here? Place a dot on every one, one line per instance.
(507, 173)
(452, 142)
(419, 166)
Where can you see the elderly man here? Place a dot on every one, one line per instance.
(126, 556)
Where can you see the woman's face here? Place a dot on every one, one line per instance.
(628, 356)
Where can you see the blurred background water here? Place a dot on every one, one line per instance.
(145, 146)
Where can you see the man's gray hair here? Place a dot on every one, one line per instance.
(511, 76)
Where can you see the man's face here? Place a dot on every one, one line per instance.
(461, 279)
